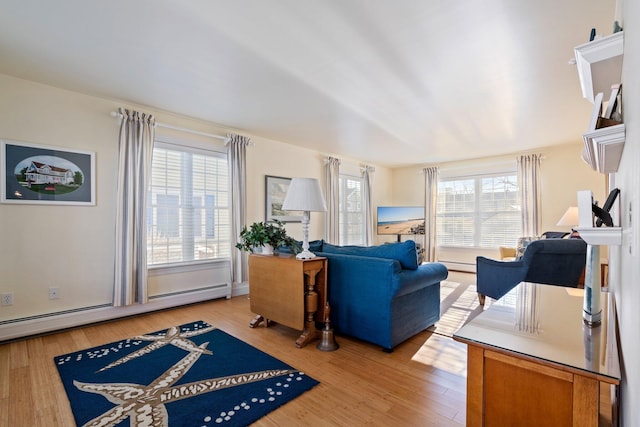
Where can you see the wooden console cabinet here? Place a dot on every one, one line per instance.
(288, 291)
(532, 361)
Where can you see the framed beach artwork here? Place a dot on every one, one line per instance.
(39, 174)
(275, 191)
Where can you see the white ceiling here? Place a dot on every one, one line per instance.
(389, 82)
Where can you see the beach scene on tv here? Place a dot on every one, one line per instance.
(401, 220)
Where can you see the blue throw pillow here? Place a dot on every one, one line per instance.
(314, 246)
(404, 252)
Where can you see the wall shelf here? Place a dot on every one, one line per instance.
(603, 148)
(601, 235)
(599, 64)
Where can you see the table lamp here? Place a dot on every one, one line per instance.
(305, 195)
(570, 219)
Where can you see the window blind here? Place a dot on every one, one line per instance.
(188, 215)
(351, 211)
(481, 211)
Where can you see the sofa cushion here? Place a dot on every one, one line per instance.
(404, 252)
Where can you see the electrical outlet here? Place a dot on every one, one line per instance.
(7, 299)
(54, 293)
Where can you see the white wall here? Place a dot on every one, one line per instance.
(279, 159)
(65, 246)
(625, 259)
(72, 247)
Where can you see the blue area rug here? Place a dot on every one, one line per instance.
(187, 375)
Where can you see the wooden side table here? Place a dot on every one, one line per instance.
(531, 361)
(286, 290)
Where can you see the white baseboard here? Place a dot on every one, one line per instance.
(459, 266)
(241, 288)
(20, 328)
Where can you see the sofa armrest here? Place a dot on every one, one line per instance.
(426, 275)
(378, 278)
(496, 278)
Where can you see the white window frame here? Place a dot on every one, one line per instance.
(221, 212)
(344, 226)
(479, 214)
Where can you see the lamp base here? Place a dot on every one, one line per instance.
(592, 319)
(591, 306)
(305, 254)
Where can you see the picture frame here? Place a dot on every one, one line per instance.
(275, 189)
(41, 174)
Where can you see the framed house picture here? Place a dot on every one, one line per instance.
(39, 174)
(275, 191)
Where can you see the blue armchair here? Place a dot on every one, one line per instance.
(548, 261)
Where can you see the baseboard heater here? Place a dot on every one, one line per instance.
(459, 266)
(51, 322)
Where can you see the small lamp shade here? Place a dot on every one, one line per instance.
(570, 217)
(304, 194)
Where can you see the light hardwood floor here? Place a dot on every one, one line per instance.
(422, 383)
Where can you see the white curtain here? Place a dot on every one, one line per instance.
(237, 157)
(367, 205)
(134, 166)
(430, 199)
(332, 193)
(529, 187)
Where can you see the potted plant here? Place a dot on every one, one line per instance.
(268, 235)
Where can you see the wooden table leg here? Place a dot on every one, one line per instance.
(311, 306)
(475, 380)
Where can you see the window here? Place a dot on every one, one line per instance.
(481, 211)
(351, 211)
(188, 217)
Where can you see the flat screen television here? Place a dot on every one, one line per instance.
(400, 220)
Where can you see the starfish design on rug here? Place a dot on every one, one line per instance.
(172, 336)
(145, 405)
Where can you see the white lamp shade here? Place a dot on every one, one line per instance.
(570, 217)
(304, 194)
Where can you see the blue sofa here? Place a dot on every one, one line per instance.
(380, 294)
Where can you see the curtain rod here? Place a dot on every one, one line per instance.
(195, 132)
(358, 165)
